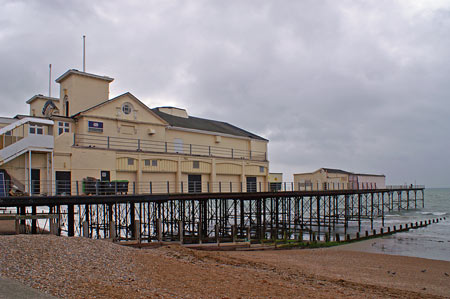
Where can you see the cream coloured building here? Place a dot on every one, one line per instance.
(84, 133)
(336, 179)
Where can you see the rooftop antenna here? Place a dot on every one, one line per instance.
(50, 80)
(84, 53)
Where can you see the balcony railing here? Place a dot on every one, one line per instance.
(129, 144)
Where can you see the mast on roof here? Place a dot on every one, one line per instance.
(84, 53)
(49, 80)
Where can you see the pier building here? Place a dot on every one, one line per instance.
(85, 137)
(335, 179)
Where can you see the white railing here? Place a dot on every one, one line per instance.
(130, 144)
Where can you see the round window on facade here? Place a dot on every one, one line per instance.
(127, 108)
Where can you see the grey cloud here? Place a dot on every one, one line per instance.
(361, 86)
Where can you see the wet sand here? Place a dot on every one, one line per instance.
(82, 268)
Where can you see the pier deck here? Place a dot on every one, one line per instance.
(214, 217)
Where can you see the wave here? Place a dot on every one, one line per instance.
(439, 213)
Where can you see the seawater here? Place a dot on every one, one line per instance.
(432, 242)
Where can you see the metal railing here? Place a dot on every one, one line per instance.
(97, 187)
(130, 144)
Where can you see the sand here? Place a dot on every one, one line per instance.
(81, 268)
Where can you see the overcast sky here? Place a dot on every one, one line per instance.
(357, 85)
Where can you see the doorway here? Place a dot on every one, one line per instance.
(63, 186)
(35, 181)
(251, 184)
(194, 183)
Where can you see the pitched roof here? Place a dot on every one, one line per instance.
(203, 124)
(113, 99)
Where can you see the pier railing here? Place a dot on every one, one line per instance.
(143, 145)
(120, 187)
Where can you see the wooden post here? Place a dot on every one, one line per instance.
(248, 234)
(216, 228)
(85, 229)
(159, 229)
(137, 230)
(200, 232)
(233, 233)
(180, 231)
(112, 230)
(70, 220)
(338, 238)
(17, 226)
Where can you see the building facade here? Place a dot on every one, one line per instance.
(69, 144)
(336, 179)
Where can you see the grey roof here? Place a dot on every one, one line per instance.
(203, 124)
(39, 96)
(331, 170)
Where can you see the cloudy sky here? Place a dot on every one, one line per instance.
(357, 85)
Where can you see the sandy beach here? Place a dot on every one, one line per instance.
(81, 268)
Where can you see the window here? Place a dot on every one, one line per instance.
(196, 164)
(95, 126)
(153, 162)
(261, 169)
(178, 145)
(36, 129)
(130, 161)
(9, 133)
(127, 108)
(63, 127)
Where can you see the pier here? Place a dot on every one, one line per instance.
(196, 218)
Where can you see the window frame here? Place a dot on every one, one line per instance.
(36, 128)
(63, 127)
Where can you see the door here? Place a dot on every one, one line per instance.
(62, 182)
(194, 183)
(35, 181)
(105, 186)
(251, 184)
(2, 184)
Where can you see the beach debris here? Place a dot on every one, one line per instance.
(424, 270)
(446, 274)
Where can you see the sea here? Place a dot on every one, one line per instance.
(431, 242)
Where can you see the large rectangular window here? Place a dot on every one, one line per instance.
(63, 127)
(95, 126)
(36, 129)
